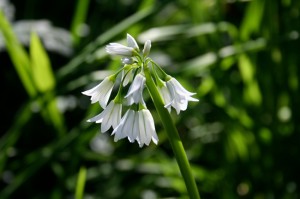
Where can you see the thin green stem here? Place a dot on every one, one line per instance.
(80, 183)
(173, 135)
(79, 18)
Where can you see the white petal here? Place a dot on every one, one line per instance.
(142, 129)
(164, 91)
(135, 129)
(135, 92)
(127, 78)
(118, 131)
(127, 130)
(101, 92)
(119, 49)
(94, 93)
(103, 101)
(136, 84)
(98, 118)
(131, 42)
(106, 123)
(91, 91)
(179, 87)
(150, 127)
(116, 115)
(192, 99)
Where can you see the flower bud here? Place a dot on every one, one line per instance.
(147, 48)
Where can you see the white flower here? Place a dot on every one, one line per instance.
(147, 47)
(109, 117)
(135, 92)
(119, 49)
(125, 126)
(179, 96)
(101, 92)
(137, 125)
(131, 42)
(146, 128)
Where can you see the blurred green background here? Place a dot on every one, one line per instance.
(240, 56)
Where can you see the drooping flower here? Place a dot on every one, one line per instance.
(147, 130)
(179, 96)
(137, 125)
(109, 117)
(119, 49)
(135, 92)
(125, 126)
(102, 91)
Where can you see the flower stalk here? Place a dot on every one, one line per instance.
(173, 136)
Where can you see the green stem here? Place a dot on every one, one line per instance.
(173, 135)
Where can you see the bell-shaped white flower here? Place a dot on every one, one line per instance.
(119, 49)
(147, 47)
(125, 126)
(109, 117)
(135, 92)
(101, 92)
(147, 130)
(179, 96)
(137, 125)
(132, 43)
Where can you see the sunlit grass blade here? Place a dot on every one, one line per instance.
(253, 18)
(18, 55)
(79, 19)
(45, 82)
(41, 66)
(80, 183)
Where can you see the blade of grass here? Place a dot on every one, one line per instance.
(80, 183)
(45, 82)
(78, 19)
(18, 55)
(252, 19)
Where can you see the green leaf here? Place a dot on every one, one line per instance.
(253, 18)
(41, 67)
(18, 55)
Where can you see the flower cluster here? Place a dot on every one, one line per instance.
(137, 123)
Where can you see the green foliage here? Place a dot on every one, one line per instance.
(241, 57)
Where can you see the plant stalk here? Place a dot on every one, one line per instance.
(174, 138)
